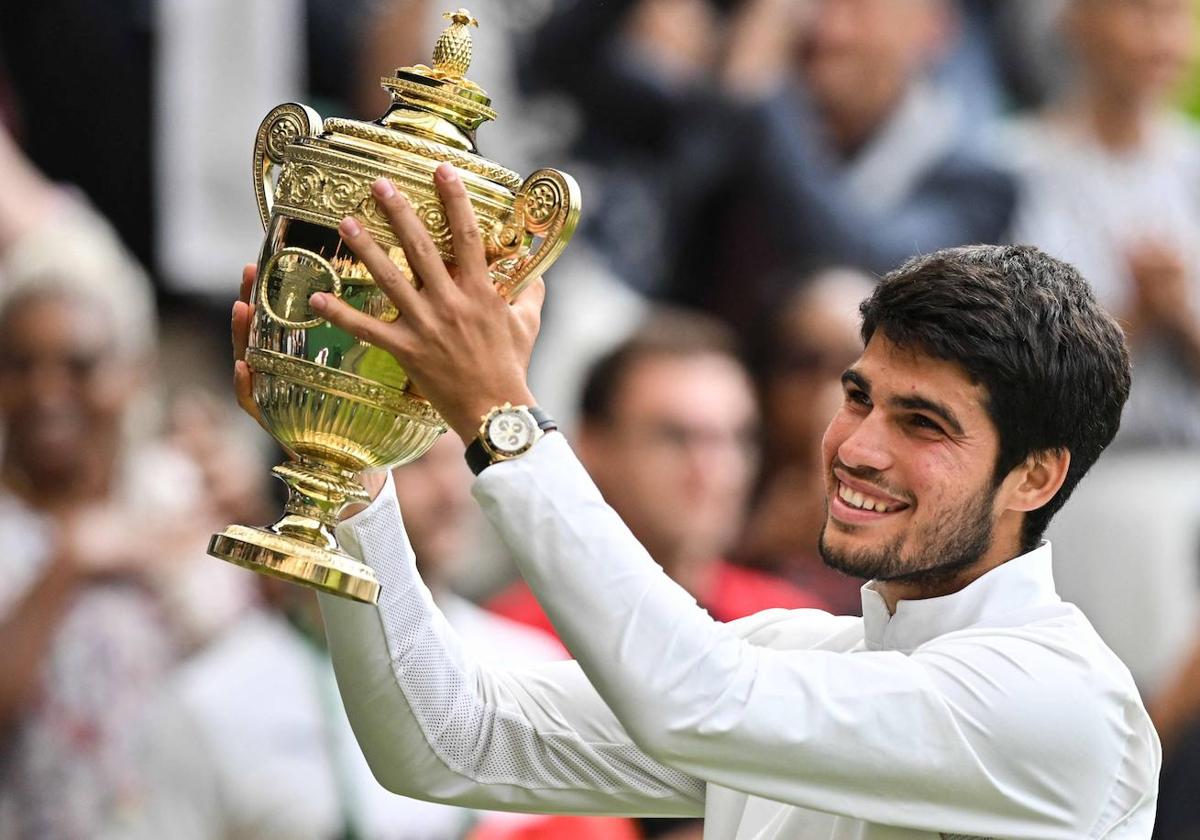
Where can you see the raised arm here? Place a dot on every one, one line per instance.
(435, 724)
(978, 735)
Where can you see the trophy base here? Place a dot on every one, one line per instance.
(288, 558)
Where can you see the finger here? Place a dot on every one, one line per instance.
(249, 273)
(528, 306)
(464, 228)
(243, 313)
(423, 256)
(391, 337)
(387, 274)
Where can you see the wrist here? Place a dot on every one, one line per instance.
(507, 432)
(466, 422)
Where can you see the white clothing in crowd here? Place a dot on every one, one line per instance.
(1091, 206)
(71, 763)
(251, 741)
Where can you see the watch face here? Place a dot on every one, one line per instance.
(511, 431)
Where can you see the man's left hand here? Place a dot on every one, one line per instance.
(465, 347)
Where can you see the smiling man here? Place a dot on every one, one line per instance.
(969, 701)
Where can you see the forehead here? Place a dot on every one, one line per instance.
(893, 371)
(54, 320)
(701, 383)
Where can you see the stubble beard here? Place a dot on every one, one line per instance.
(953, 543)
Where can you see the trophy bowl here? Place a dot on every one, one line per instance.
(337, 404)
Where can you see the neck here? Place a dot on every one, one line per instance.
(850, 129)
(935, 585)
(1118, 123)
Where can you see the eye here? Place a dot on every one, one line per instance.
(858, 396)
(924, 424)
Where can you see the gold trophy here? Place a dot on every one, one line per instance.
(339, 404)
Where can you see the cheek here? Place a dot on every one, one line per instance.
(940, 478)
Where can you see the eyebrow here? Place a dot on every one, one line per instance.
(909, 403)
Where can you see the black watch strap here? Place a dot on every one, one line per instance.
(478, 458)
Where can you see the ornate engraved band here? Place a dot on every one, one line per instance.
(427, 149)
(321, 185)
(331, 381)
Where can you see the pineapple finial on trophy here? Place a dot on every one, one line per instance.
(452, 52)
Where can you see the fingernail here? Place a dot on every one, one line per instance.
(383, 188)
(350, 227)
(447, 174)
(318, 302)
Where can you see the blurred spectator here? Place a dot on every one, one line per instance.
(103, 578)
(789, 135)
(668, 431)
(846, 149)
(1110, 178)
(1111, 183)
(251, 740)
(813, 338)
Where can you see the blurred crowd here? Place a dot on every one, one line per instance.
(749, 168)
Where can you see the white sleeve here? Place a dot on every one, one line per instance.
(983, 736)
(434, 724)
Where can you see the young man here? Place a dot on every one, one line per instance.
(969, 700)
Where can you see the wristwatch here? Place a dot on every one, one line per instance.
(508, 432)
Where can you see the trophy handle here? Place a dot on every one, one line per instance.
(283, 125)
(547, 206)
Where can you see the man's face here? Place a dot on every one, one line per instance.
(1137, 50)
(63, 390)
(909, 461)
(859, 55)
(677, 457)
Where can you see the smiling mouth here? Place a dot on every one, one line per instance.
(861, 501)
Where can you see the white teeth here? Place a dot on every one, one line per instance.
(856, 499)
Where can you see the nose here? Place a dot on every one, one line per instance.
(867, 445)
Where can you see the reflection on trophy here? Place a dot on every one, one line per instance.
(340, 405)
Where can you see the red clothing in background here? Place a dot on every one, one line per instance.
(734, 592)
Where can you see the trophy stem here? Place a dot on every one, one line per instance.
(302, 546)
(317, 492)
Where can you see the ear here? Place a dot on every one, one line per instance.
(1036, 480)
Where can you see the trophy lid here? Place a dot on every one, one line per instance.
(444, 89)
